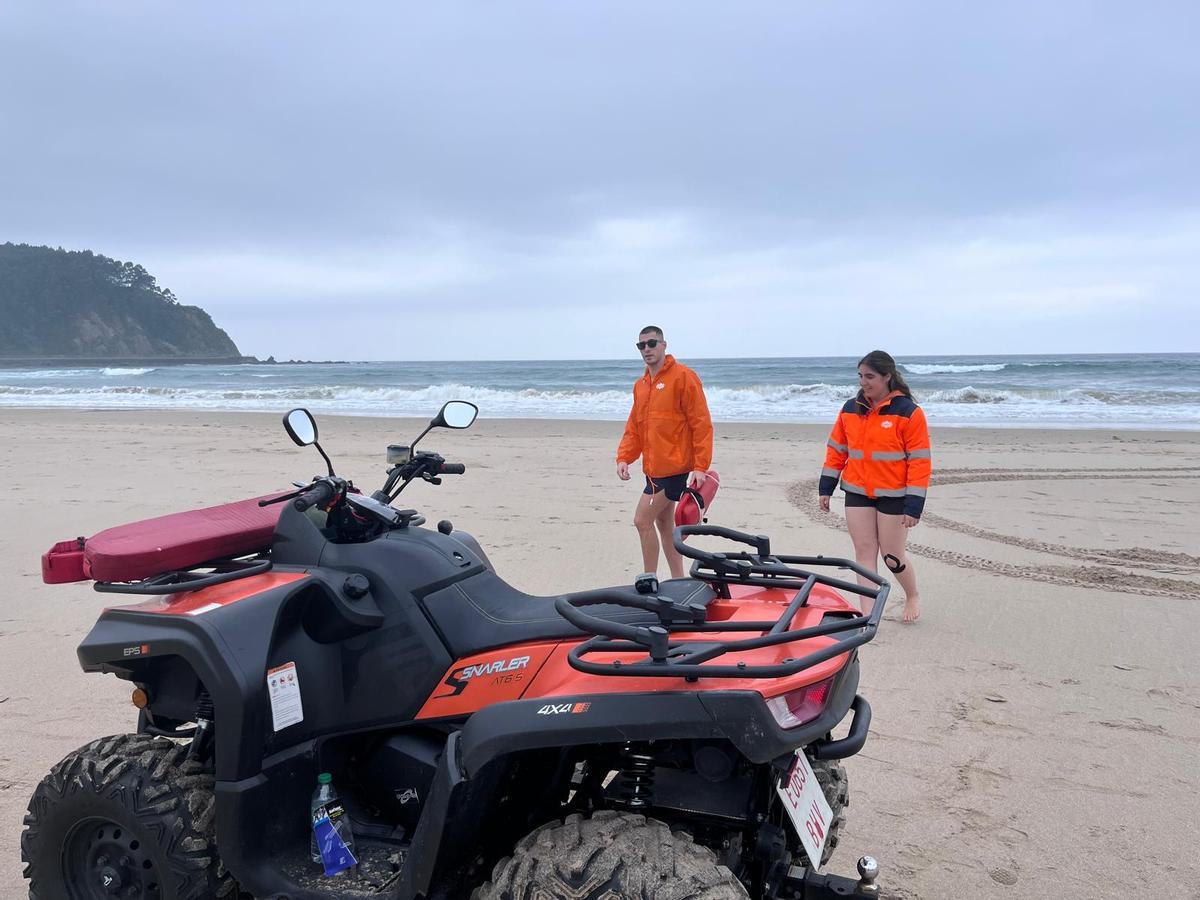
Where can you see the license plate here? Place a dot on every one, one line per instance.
(807, 807)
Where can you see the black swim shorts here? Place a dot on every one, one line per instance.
(889, 506)
(672, 484)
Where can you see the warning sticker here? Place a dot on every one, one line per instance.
(284, 686)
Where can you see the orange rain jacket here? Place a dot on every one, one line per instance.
(669, 426)
(880, 452)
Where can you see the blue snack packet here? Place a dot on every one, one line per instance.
(335, 855)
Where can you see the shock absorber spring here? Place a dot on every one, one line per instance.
(635, 786)
(204, 706)
(205, 714)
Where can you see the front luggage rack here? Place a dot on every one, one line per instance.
(690, 658)
(188, 579)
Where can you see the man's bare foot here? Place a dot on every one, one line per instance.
(912, 608)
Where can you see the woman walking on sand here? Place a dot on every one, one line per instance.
(879, 448)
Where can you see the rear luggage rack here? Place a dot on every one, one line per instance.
(689, 658)
(188, 579)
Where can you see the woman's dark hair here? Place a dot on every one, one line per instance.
(881, 362)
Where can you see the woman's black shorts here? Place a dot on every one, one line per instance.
(889, 506)
(672, 484)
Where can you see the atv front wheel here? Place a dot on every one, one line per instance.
(125, 816)
(614, 855)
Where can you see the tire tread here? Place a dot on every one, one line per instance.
(611, 855)
(151, 781)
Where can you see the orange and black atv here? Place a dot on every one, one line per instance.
(651, 741)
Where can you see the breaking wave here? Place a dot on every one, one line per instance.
(1152, 392)
(948, 369)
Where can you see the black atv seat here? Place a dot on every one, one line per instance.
(485, 611)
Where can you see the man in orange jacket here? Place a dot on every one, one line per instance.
(670, 429)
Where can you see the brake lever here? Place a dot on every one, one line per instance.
(292, 496)
(284, 498)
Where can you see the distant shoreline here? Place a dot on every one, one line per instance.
(35, 362)
(32, 362)
(50, 362)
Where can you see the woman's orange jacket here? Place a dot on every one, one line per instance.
(880, 452)
(669, 426)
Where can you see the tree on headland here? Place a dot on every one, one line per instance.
(75, 303)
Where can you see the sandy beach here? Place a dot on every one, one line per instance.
(1036, 734)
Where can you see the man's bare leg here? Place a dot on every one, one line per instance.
(665, 520)
(643, 520)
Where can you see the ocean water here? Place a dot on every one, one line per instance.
(1080, 391)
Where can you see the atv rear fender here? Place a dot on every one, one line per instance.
(504, 731)
(741, 717)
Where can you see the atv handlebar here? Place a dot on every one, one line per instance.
(320, 494)
(452, 469)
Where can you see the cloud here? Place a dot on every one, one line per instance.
(1036, 284)
(775, 178)
(641, 235)
(340, 274)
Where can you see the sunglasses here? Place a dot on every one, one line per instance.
(652, 343)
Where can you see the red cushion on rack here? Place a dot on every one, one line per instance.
(166, 543)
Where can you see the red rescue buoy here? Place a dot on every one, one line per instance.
(694, 505)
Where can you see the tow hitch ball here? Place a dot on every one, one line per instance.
(805, 884)
(868, 871)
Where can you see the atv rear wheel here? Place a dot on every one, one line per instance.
(614, 855)
(125, 816)
(831, 776)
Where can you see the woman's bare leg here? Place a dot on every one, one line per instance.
(865, 537)
(892, 538)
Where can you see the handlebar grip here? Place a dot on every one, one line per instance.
(452, 469)
(321, 494)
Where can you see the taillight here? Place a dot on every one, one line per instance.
(800, 706)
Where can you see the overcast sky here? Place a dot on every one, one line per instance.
(538, 180)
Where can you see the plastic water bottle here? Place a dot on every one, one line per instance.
(326, 797)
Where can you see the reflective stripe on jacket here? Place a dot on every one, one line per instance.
(669, 426)
(880, 452)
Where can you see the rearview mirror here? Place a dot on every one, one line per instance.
(301, 427)
(456, 414)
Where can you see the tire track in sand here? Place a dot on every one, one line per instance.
(1100, 574)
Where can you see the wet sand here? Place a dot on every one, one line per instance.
(1037, 733)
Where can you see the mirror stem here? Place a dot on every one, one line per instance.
(413, 445)
(324, 456)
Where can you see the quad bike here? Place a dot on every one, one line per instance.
(645, 741)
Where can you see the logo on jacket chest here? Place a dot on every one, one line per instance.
(886, 423)
(660, 386)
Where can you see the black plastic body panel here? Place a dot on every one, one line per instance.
(418, 875)
(398, 773)
(363, 663)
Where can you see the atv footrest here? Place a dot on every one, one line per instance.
(377, 872)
